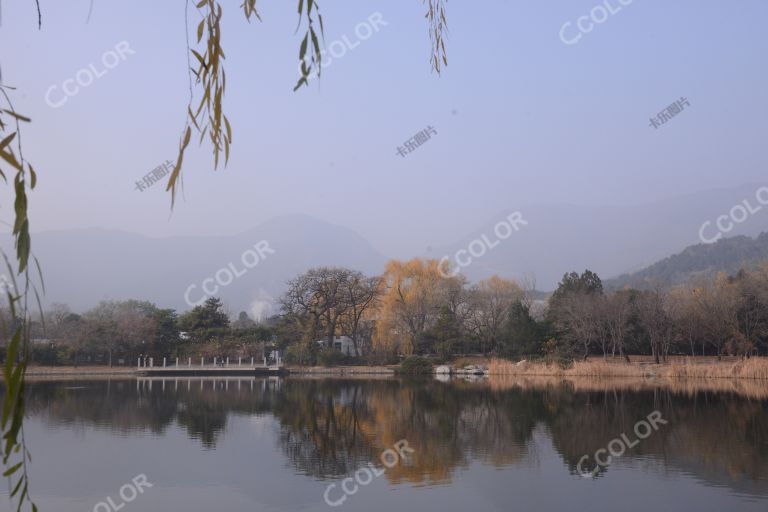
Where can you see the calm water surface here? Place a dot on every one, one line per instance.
(276, 445)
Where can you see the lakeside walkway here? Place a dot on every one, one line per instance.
(220, 367)
(211, 371)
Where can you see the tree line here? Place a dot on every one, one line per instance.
(413, 308)
(120, 332)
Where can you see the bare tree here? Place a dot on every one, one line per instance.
(681, 308)
(652, 312)
(576, 317)
(618, 310)
(716, 304)
(330, 300)
(301, 305)
(528, 285)
(752, 311)
(490, 302)
(361, 295)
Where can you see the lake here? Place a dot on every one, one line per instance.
(295, 444)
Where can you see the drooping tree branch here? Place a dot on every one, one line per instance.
(309, 61)
(18, 329)
(438, 26)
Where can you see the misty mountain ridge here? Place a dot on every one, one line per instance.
(728, 255)
(83, 266)
(609, 240)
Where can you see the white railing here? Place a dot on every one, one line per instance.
(148, 362)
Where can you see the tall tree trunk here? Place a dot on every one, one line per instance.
(354, 345)
(331, 333)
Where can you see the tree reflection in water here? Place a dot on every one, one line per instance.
(331, 427)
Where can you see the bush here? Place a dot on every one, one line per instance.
(445, 350)
(415, 365)
(302, 354)
(49, 355)
(332, 357)
(382, 357)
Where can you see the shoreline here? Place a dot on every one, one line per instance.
(755, 369)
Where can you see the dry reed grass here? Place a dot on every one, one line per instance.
(755, 368)
(751, 388)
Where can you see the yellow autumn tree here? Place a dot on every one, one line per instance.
(412, 294)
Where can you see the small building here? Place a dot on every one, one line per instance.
(343, 344)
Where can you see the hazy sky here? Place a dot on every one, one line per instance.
(521, 117)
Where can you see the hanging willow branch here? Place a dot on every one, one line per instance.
(437, 28)
(15, 455)
(207, 117)
(309, 61)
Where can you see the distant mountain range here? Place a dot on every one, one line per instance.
(609, 240)
(83, 266)
(702, 260)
